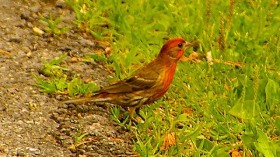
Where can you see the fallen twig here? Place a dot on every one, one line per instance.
(5, 52)
(198, 57)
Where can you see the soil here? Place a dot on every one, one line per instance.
(34, 123)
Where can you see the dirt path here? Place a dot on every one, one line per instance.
(33, 123)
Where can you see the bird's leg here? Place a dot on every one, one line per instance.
(131, 111)
(137, 111)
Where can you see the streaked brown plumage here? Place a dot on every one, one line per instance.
(147, 84)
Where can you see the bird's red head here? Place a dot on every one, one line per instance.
(174, 48)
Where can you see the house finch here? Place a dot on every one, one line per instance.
(147, 84)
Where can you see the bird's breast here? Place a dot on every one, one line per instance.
(165, 81)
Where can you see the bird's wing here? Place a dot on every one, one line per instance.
(141, 80)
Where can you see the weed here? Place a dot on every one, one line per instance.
(53, 25)
(58, 82)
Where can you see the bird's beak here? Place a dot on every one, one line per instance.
(187, 45)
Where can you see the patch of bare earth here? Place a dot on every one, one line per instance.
(36, 124)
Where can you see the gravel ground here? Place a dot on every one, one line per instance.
(34, 123)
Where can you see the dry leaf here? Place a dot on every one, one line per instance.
(87, 80)
(72, 147)
(226, 87)
(168, 141)
(108, 50)
(236, 153)
(99, 51)
(188, 111)
(74, 59)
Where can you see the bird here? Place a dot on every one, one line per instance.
(145, 85)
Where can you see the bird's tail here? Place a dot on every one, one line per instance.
(94, 98)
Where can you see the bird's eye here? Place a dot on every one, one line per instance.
(180, 45)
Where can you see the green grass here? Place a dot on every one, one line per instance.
(53, 25)
(210, 109)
